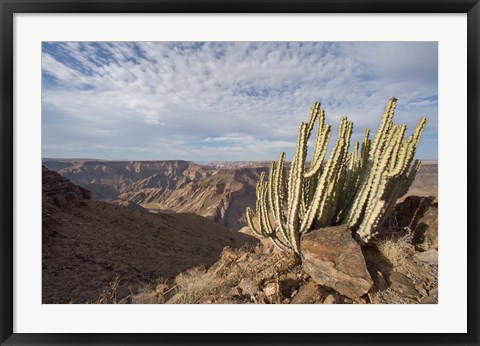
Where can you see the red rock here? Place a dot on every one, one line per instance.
(309, 293)
(380, 282)
(330, 300)
(403, 285)
(429, 256)
(333, 258)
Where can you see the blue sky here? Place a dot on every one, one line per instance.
(209, 101)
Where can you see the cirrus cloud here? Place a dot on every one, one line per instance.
(224, 100)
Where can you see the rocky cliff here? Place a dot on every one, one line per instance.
(87, 244)
(219, 194)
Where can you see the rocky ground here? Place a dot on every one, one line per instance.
(98, 252)
(401, 267)
(90, 245)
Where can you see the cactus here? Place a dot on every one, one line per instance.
(387, 175)
(358, 188)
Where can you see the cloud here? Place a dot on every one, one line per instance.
(221, 101)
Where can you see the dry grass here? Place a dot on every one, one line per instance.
(223, 282)
(197, 283)
(394, 242)
(393, 250)
(109, 294)
(147, 296)
(192, 285)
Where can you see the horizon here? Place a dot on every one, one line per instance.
(226, 101)
(159, 160)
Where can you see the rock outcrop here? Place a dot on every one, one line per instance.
(222, 195)
(87, 244)
(429, 256)
(60, 192)
(403, 285)
(334, 259)
(420, 214)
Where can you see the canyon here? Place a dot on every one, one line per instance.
(146, 231)
(88, 244)
(219, 191)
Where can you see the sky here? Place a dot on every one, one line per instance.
(226, 101)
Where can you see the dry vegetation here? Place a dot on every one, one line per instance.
(392, 250)
(262, 275)
(196, 283)
(395, 244)
(246, 275)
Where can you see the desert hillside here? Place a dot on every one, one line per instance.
(87, 244)
(100, 252)
(218, 191)
(221, 195)
(426, 181)
(399, 267)
(108, 179)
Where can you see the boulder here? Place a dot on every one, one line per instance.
(432, 297)
(420, 214)
(403, 285)
(309, 293)
(426, 232)
(330, 299)
(379, 281)
(420, 287)
(429, 256)
(333, 258)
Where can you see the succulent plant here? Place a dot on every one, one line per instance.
(358, 188)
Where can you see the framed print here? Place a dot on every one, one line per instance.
(239, 173)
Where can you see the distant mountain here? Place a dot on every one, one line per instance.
(108, 179)
(235, 164)
(219, 191)
(86, 244)
(426, 181)
(221, 196)
(179, 186)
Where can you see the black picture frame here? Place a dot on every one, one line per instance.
(9, 7)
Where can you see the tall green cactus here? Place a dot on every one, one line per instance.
(358, 188)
